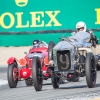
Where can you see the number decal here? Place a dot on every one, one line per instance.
(65, 62)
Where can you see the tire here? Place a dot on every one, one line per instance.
(12, 71)
(81, 60)
(77, 79)
(37, 74)
(55, 82)
(28, 82)
(98, 67)
(90, 70)
(50, 50)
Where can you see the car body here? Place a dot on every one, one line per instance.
(23, 68)
(74, 57)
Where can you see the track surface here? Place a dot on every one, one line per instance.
(22, 92)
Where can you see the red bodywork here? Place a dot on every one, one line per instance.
(25, 70)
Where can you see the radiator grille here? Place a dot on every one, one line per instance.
(63, 60)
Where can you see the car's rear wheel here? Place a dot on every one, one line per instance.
(77, 79)
(62, 78)
(50, 50)
(55, 81)
(90, 70)
(12, 75)
(28, 82)
(37, 73)
(82, 62)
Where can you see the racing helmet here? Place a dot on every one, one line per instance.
(36, 43)
(81, 25)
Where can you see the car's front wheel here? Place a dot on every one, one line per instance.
(90, 70)
(12, 75)
(55, 81)
(37, 74)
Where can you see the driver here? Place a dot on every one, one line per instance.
(36, 43)
(81, 27)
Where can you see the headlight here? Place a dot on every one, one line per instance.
(46, 62)
(22, 62)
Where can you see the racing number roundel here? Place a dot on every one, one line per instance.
(64, 60)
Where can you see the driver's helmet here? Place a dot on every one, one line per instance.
(43, 44)
(36, 43)
(81, 26)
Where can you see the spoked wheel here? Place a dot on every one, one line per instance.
(12, 75)
(77, 79)
(62, 78)
(82, 62)
(90, 70)
(55, 81)
(50, 50)
(28, 82)
(37, 74)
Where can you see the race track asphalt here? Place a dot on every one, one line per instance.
(67, 91)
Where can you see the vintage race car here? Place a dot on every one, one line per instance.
(24, 68)
(27, 67)
(76, 57)
(72, 56)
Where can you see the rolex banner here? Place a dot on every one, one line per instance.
(25, 16)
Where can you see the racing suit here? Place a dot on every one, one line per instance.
(93, 38)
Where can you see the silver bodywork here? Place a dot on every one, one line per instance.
(73, 45)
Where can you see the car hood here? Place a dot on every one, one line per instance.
(63, 45)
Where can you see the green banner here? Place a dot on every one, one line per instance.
(35, 15)
(26, 39)
(30, 15)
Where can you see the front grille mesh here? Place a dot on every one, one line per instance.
(63, 60)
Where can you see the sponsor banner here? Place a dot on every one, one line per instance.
(34, 15)
(31, 15)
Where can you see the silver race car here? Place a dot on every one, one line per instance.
(74, 57)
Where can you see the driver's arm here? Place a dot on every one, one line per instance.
(93, 37)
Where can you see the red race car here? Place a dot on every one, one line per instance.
(25, 68)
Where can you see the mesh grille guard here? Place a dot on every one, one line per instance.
(63, 60)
